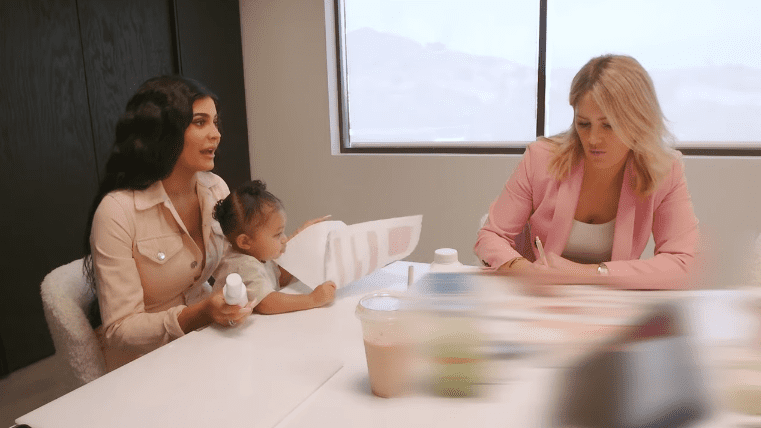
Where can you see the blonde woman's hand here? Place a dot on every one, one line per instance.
(519, 267)
(309, 223)
(548, 279)
(565, 266)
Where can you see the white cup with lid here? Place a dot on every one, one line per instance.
(389, 342)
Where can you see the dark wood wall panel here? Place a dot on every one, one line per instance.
(124, 43)
(67, 69)
(215, 58)
(47, 167)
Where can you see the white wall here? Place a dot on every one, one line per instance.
(288, 99)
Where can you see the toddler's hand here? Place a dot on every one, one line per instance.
(324, 293)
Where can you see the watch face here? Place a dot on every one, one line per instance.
(602, 269)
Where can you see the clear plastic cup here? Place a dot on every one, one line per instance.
(389, 343)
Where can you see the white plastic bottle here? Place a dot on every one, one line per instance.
(445, 260)
(234, 290)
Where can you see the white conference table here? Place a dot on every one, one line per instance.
(308, 369)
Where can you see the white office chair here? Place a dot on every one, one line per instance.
(756, 262)
(66, 298)
(522, 241)
(481, 223)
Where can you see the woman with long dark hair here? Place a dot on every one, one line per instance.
(151, 241)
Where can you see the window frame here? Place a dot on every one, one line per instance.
(724, 150)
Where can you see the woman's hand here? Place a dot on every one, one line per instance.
(227, 315)
(561, 265)
(544, 279)
(323, 293)
(213, 309)
(309, 223)
(520, 267)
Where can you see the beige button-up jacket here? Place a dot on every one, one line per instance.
(147, 266)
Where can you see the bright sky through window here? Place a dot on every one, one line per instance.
(449, 73)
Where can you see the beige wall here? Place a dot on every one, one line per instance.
(289, 102)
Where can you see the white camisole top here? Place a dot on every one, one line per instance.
(590, 243)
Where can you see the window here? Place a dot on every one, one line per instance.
(467, 77)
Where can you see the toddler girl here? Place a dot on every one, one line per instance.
(253, 221)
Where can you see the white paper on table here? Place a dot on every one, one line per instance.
(333, 251)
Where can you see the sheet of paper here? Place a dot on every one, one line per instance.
(333, 251)
(304, 255)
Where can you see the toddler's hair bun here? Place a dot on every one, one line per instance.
(255, 188)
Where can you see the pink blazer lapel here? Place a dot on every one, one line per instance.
(623, 233)
(565, 208)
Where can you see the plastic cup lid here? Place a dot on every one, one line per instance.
(381, 306)
(381, 303)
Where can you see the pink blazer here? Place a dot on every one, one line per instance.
(534, 203)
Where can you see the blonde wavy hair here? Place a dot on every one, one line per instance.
(625, 94)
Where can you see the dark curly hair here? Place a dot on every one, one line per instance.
(245, 207)
(150, 136)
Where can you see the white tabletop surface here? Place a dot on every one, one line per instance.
(308, 369)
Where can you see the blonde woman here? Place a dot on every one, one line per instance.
(594, 194)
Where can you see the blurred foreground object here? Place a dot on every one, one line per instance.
(743, 373)
(648, 377)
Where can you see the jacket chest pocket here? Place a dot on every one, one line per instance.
(216, 245)
(160, 249)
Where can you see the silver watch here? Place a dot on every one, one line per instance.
(602, 269)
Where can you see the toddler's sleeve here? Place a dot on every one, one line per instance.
(257, 284)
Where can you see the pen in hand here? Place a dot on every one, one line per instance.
(542, 255)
